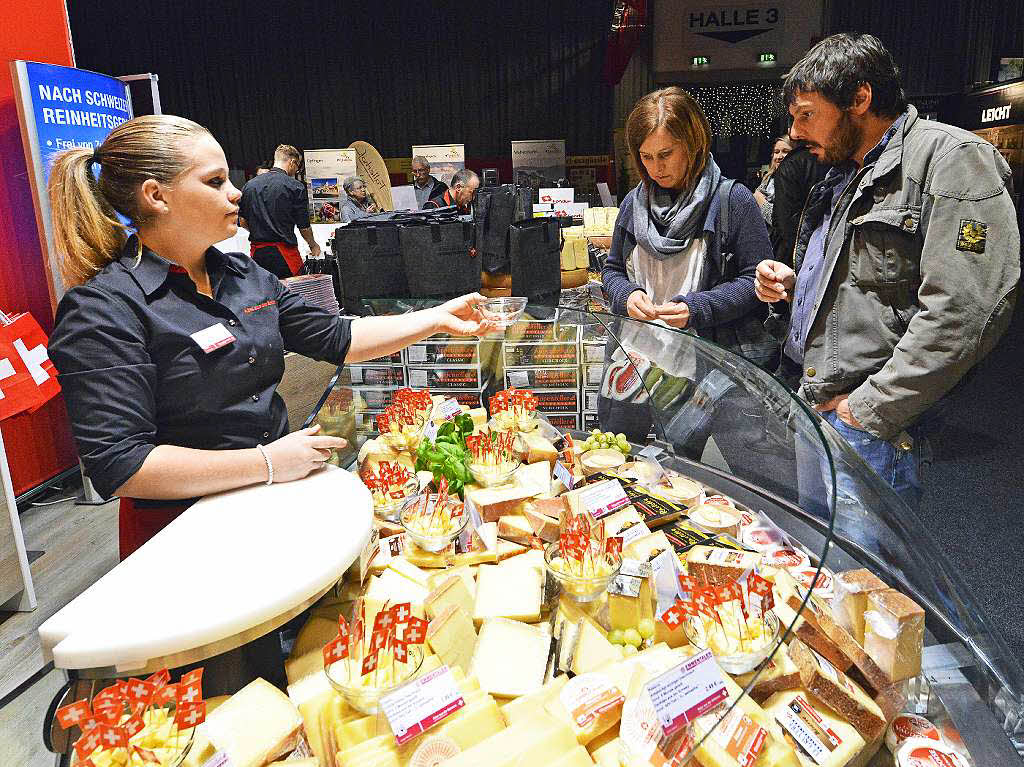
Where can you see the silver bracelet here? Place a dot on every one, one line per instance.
(270, 465)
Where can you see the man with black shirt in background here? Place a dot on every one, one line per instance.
(424, 185)
(272, 207)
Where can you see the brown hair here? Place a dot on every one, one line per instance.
(86, 229)
(676, 111)
(287, 152)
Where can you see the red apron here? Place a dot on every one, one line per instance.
(290, 253)
(136, 524)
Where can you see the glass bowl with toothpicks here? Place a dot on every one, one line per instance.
(740, 638)
(583, 572)
(137, 721)
(433, 520)
(391, 485)
(504, 311)
(492, 459)
(364, 691)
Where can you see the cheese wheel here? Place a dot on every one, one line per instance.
(907, 726)
(601, 460)
(763, 538)
(682, 490)
(716, 519)
(923, 752)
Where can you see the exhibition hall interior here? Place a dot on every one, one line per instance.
(615, 383)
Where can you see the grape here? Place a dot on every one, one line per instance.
(646, 628)
(615, 636)
(632, 637)
(609, 436)
(596, 432)
(621, 437)
(629, 650)
(625, 449)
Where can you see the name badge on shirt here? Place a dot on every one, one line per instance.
(213, 338)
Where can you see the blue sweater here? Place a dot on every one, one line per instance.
(715, 302)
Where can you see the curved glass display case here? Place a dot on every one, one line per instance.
(695, 410)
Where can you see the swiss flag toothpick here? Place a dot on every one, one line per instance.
(672, 617)
(416, 633)
(74, 714)
(335, 650)
(369, 663)
(190, 715)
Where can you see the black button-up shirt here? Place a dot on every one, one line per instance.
(273, 204)
(133, 377)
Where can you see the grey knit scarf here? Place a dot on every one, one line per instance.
(662, 226)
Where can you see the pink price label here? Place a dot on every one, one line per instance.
(687, 692)
(418, 706)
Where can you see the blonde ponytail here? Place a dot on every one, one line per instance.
(86, 229)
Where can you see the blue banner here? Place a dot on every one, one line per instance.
(73, 108)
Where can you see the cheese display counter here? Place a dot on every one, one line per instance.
(707, 574)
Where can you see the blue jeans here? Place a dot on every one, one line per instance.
(901, 469)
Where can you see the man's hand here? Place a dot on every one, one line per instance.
(841, 404)
(774, 282)
(640, 307)
(676, 314)
(314, 250)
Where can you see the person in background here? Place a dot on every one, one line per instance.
(264, 168)
(793, 179)
(765, 192)
(906, 261)
(691, 270)
(357, 202)
(424, 185)
(461, 194)
(272, 207)
(168, 351)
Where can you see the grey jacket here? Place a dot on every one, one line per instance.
(922, 262)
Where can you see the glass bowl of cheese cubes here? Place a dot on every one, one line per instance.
(585, 578)
(433, 525)
(388, 502)
(363, 691)
(491, 473)
(739, 643)
(159, 742)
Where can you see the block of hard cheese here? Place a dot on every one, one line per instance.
(451, 593)
(811, 635)
(778, 673)
(577, 757)
(541, 525)
(821, 738)
(837, 691)
(532, 741)
(716, 566)
(533, 704)
(538, 448)
(856, 661)
(495, 502)
(894, 633)
(510, 657)
(536, 476)
(451, 635)
(590, 704)
(503, 591)
(255, 726)
(466, 573)
(515, 528)
(311, 762)
(850, 599)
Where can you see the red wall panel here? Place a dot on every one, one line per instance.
(39, 445)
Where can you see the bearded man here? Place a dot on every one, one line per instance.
(907, 257)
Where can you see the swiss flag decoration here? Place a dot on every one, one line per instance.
(27, 377)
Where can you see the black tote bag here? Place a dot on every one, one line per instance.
(370, 264)
(536, 268)
(439, 259)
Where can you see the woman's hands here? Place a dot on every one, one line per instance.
(674, 313)
(297, 454)
(464, 316)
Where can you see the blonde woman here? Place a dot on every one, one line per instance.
(765, 192)
(170, 352)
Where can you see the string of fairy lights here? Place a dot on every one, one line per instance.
(748, 109)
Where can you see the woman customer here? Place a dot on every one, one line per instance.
(170, 352)
(765, 192)
(684, 252)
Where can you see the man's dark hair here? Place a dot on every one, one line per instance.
(840, 64)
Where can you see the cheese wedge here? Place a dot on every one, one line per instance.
(403, 567)
(539, 449)
(395, 588)
(535, 476)
(533, 704)
(532, 741)
(451, 593)
(850, 599)
(496, 502)
(820, 738)
(314, 634)
(894, 634)
(504, 591)
(835, 690)
(591, 704)
(451, 635)
(466, 573)
(717, 566)
(577, 757)
(515, 528)
(778, 673)
(648, 547)
(510, 657)
(507, 550)
(541, 525)
(258, 724)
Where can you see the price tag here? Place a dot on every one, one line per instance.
(643, 739)
(417, 354)
(666, 579)
(449, 409)
(631, 533)
(430, 430)
(390, 548)
(563, 474)
(687, 691)
(357, 375)
(602, 498)
(630, 578)
(368, 553)
(518, 379)
(418, 706)
(475, 520)
(418, 379)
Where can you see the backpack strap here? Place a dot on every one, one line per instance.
(724, 192)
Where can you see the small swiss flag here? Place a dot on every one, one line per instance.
(73, 715)
(27, 377)
(335, 650)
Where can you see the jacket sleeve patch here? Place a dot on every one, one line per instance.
(971, 236)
